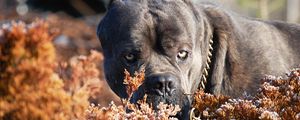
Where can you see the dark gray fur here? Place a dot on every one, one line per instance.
(245, 49)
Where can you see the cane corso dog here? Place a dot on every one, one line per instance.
(184, 46)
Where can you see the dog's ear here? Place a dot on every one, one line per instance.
(101, 33)
(226, 33)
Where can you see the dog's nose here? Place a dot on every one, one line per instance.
(162, 84)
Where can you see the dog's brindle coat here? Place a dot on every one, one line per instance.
(170, 38)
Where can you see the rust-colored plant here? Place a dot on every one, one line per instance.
(29, 87)
(277, 98)
(140, 111)
(133, 83)
(81, 73)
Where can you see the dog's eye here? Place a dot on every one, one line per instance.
(130, 57)
(182, 54)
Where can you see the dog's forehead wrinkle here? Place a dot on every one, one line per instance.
(136, 37)
(171, 28)
(127, 47)
(155, 63)
(169, 41)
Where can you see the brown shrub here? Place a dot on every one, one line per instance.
(30, 89)
(277, 98)
(127, 110)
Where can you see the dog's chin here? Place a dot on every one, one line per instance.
(177, 98)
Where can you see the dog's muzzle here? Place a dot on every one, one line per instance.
(161, 84)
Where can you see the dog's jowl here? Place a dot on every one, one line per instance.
(184, 45)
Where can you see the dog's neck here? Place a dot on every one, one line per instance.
(206, 69)
(208, 44)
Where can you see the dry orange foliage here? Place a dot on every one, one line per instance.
(81, 73)
(29, 86)
(140, 111)
(133, 83)
(277, 98)
(129, 111)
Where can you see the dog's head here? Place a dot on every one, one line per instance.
(164, 36)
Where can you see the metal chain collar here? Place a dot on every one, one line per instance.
(204, 77)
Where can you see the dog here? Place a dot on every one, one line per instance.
(184, 46)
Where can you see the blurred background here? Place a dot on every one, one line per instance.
(76, 21)
(286, 10)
